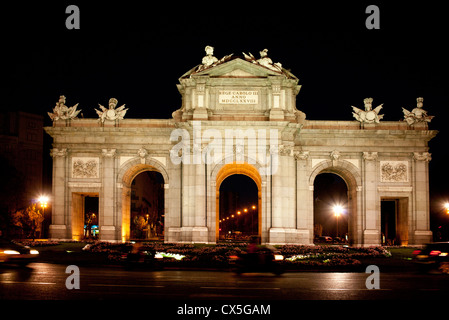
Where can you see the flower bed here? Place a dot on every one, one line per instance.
(297, 257)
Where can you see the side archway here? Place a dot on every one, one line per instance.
(129, 170)
(351, 176)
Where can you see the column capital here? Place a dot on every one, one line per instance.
(422, 156)
(370, 156)
(108, 153)
(55, 152)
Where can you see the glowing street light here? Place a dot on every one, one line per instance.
(446, 206)
(43, 201)
(338, 211)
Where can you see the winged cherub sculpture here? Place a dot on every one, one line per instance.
(112, 113)
(368, 115)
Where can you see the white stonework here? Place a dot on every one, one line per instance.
(85, 167)
(377, 159)
(394, 171)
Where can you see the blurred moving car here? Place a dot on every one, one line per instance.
(434, 256)
(266, 259)
(135, 255)
(14, 253)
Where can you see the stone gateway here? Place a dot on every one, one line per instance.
(238, 117)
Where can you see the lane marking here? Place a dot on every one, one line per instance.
(343, 289)
(124, 285)
(240, 288)
(27, 282)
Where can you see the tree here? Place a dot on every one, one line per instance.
(29, 220)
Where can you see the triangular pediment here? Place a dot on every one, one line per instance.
(239, 68)
(238, 73)
(234, 68)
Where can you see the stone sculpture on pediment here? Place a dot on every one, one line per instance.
(112, 113)
(368, 115)
(417, 115)
(209, 60)
(264, 60)
(62, 112)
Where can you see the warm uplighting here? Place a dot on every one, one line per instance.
(245, 210)
(254, 207)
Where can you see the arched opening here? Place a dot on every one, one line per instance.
(85, 215)
(394, 221)
(147, 206)
(238, 211)
(159, 187)
(331, 210)
(253, 201)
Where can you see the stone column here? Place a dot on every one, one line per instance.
(283, 228)
(371, 232)
(422, 233)
(58, 227)
(173, 204)
(107, 215)
(304, 199)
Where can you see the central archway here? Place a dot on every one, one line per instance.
(238, 219)
(238, 169)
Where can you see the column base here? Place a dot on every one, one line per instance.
(289, 236)
(188, 235)
(59, 232)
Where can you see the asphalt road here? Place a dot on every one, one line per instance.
(44, 281)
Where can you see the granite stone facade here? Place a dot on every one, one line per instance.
(239, 116)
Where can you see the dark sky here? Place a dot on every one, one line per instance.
(136, 51)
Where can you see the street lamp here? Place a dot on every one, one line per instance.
(446, 206)
(338, 210)
(43, 201)
(252, 218)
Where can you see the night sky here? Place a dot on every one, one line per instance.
(136, 53)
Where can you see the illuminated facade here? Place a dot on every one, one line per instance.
(239, 116)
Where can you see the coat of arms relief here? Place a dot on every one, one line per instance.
(85, 167)
(394, 171)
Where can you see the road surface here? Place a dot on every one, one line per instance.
(44, 281)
